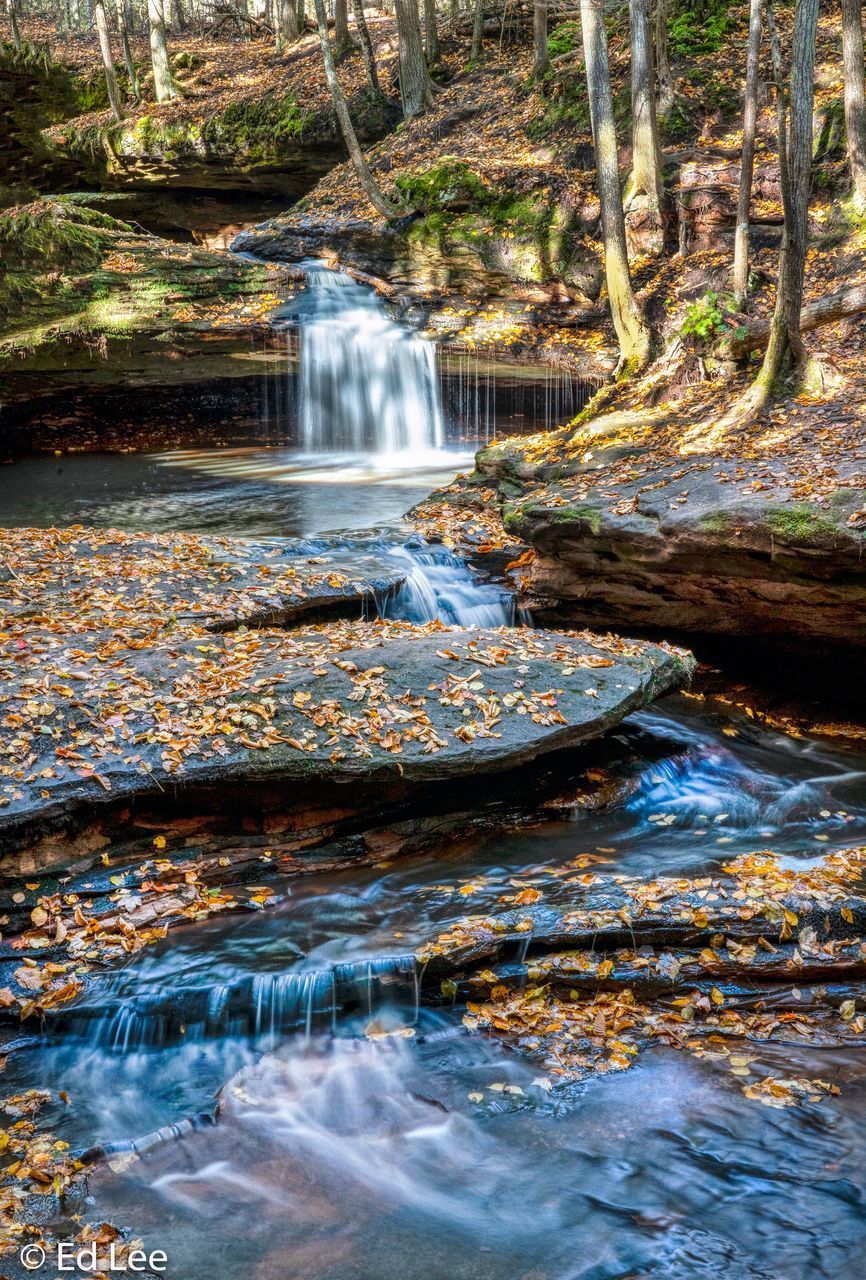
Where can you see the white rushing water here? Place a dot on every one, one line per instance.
(367, 384)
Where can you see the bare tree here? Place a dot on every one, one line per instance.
(431, 33)
(285, 23)
(747, 164)
(13, 21)
(477, 30)
(163, 82)
(646, 175)
(541, 59)
(107, 59)
(356, 155)
(129, 61)
(665, 99)
(785, 346)
(366, 47)
(631, 330)
(416, 87)
(343, 42)
(855, 108)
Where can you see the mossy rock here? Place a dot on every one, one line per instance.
(802, 525)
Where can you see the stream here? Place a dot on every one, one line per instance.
(362, 1133)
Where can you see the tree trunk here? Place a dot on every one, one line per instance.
(646, 155)
(286, 23)
(416, 87)
(541, 60)
(366, 47)
(431, 33)
(162, 78)
(477, 30)
(663, 67)
(750, 116)
(368, 182)
(633, 335)
(107, 59)
(855, 108)
(179, 15)
(343, 42)
(129, 61)
(785, 346)
(13, 19)
(301, 11)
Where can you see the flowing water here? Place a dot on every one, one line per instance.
(339, 1150)
(368, 384)
(359, 1133)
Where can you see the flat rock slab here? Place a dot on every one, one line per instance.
(87, 580)
(99, 706)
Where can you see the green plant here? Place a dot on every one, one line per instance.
(707, 317)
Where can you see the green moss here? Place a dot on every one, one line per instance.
(450, 184)
(527, 234)
(714, 522)
(259, 129)
(801, 523)
(53, 233)
(697, 29)
(584, 514)
(564, 38)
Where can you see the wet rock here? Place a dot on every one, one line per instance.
(128, 679)
(95, 579)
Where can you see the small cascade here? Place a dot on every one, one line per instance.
(440, 586)
(367, 384)
(261, 1005)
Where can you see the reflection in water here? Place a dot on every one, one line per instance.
(244, 492)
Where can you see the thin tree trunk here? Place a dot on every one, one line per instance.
(646, 155)
(747, 165)
(368, 182)
(343, 42)
(416, 87)
(431, 33)
(632, 332)
(301, 11)
(366, 46)
(179, 15)
(129, 61)
(785, 346)
(541, 60)
(663, 67)
(477, 30)
(107, 60)
(162, 79)
(13, 19)
(855, 107)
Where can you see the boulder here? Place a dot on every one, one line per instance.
(698, 546)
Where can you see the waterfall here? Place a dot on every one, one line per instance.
(269, 1005)
(367, 384)
(439, 585)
